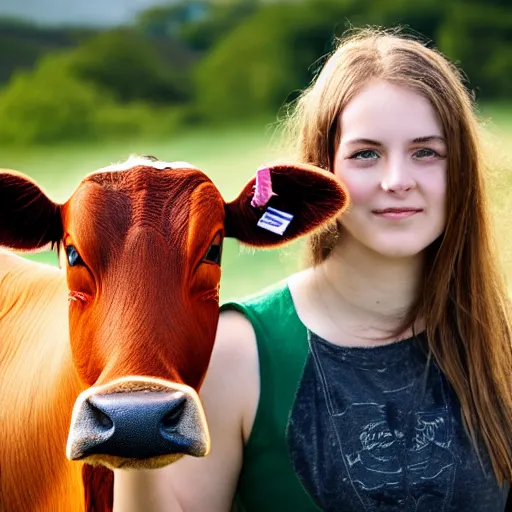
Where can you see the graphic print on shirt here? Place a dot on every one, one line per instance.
(369, 440)
(388, 465)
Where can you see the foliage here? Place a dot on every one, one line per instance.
(249, 72)
(210, 60)
(479, 36)
(23, 43)
(265, 60)
(421, 18)
(126, 65)
(47, 105)
(138, 119)
(167, 19)
(203, 33)
(198, 23)
(52, 104)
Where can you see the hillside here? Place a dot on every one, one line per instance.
(22, 44)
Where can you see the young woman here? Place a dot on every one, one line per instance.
(379, 378)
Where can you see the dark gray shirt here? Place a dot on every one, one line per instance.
(379, 429)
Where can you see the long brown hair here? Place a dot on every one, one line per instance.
(464, 298)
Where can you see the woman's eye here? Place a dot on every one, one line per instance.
(425, 153)
(367, 154)
(213, 254)
(73, 256)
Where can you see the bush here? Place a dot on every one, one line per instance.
(127, 65)
(263, 62)
(202, 34)
(139, 119)
(478, 36)
(48, 105)
(422, 18)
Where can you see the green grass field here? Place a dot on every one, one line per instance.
(230, 156)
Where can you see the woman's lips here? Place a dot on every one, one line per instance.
(397, 213)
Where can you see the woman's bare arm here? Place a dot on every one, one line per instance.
(229, 394)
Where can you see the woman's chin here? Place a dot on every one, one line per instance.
(403, 245)
(399, 250)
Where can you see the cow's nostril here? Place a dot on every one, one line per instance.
(102, 419)
(138, 425)
(175, 412)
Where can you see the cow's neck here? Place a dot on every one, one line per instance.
(38, 387)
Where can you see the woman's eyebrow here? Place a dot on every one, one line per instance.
(428, 138)
(363, 141)
(417, 140)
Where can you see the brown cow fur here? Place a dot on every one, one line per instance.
(34, 323)
(98, 488)
(143, 234)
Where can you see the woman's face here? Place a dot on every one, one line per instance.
(392, 159)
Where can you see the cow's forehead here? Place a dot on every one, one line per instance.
(148, 188)
(146, 161)
(142, 193)
(140, 172)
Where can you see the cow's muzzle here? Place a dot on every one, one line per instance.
(137, 423)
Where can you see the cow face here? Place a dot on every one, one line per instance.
(141, 244)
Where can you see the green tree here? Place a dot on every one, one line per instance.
(264, 61)
(48, 105)
(422, 18)
(199, 24)
(479, 37)
(127, 65)
(202, 34)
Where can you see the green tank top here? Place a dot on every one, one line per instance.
(267, 480)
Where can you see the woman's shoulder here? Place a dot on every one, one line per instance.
(243, 323)
(255, 334)
(260, 300)
(265, 311)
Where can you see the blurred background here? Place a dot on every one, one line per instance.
(84, 84)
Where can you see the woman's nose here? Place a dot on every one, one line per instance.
(397, 177)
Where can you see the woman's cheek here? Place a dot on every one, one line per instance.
(359, 189)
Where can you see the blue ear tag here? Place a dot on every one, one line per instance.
(275, 220)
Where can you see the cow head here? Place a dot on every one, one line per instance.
(141, 245)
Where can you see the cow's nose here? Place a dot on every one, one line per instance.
(137, 425)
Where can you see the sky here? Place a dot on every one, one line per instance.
(99, 13)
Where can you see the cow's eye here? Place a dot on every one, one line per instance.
(214, 253)
(73, 256)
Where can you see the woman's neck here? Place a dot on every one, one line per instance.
(363, 294)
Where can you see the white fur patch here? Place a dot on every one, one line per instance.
(135, 160)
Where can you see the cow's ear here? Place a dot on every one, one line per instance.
(28, 218)
(282, 203)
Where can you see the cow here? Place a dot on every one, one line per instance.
(102, 357)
